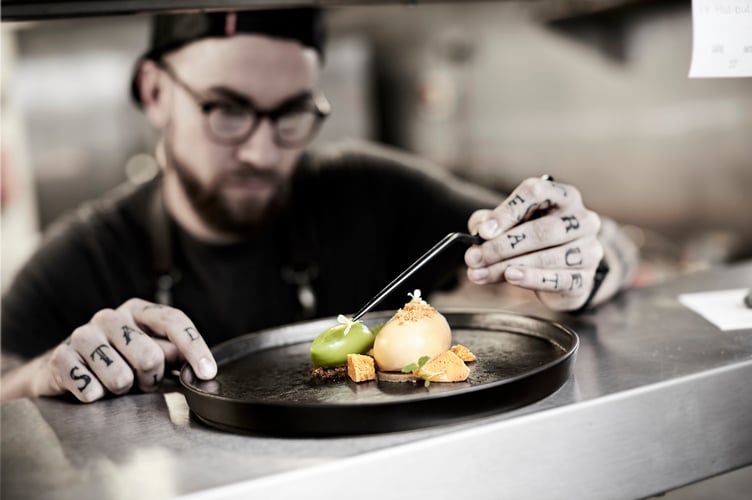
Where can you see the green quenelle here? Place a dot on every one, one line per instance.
(332, 346)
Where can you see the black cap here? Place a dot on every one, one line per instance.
(173, 31)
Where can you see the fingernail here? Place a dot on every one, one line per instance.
(207, 369)
(514, 274)
(473, 256)
(489, 228)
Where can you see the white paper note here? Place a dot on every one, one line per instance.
(722, 38)
(724, 308)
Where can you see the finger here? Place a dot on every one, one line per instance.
(535, 235)
(173, 324)
(145, 358)
(92, 345)
(532, 198)
(573, 283)
(173, 358)
(475, 220)
(70, 373)
(582, 254)
(171, 354)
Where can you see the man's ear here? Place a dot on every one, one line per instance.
(154, 95)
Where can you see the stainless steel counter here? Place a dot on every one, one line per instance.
(660, 398)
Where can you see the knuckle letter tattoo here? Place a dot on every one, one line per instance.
(573, 257)
(84, 378)
(516, 200)
(127, 331)
(554, 280)
(99, 351)
(514, 239)
(192, 333)
(571, 222)
(576, 281)
(557, 185)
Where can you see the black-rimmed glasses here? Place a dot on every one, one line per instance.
(232, 122)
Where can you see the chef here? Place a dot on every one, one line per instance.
(248, 226)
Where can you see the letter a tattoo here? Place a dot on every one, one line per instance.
(86, 380)
(127, 331)
(515, 239)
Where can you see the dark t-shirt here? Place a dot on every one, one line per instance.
(359, 215)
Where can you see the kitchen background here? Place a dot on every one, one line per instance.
(594, 93)
(494, 91)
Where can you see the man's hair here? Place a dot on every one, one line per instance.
(172, 31)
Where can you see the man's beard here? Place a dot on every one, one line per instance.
(249, 217)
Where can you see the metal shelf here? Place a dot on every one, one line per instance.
(32, 10)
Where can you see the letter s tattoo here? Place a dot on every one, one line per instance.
(84, 378)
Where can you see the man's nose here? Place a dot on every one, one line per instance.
(261, 149)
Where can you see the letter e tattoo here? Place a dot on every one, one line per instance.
(515, 239)
(576, 281)
(517, 199)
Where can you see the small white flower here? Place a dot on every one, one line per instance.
(344, 320)
(416, 296)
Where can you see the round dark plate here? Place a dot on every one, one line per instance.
(264, 385)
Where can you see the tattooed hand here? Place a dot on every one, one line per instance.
(541, 238)
(120, 348)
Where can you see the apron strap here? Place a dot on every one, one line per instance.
(160, 236)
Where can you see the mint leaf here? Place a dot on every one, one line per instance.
(409, 368)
